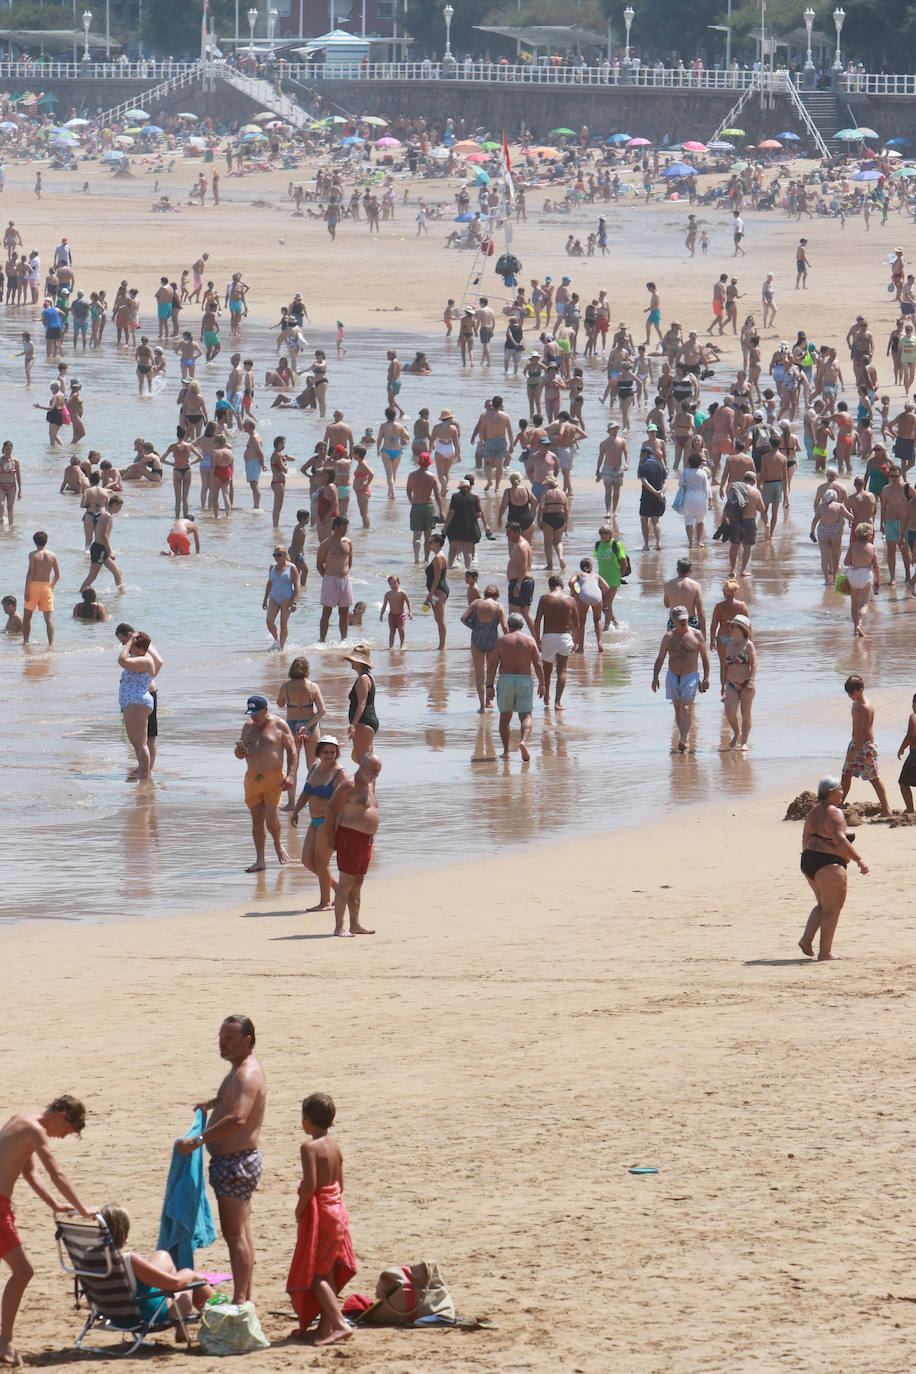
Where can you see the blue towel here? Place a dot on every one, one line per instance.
(187, 1222)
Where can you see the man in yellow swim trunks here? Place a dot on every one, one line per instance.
(40, 580)
(264, 741)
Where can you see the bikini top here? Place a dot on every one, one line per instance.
(324, 790)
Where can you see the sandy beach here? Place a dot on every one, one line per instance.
(526, 1025)
(508, 1045)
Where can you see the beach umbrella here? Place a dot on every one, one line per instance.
(195, 141)
(483, 178)
(848, 135)
(892, 153)
(439, 154)
(279, 124)
(892, 142)
(740, 165)
(789, 137)
(187, 114)
(870, 175)
(693, 147)
(720, 146)
(389, 142)
(252, 138)
(350, 141)
(251, 129)
(375, 121)
(490, 146)
(477, 157)
(638, 142)
(544, 152)
(76, 123)
(113, 156)
(335, 119)
(618, 138)
(152, 129)
(904, 172)
(865, 133)
(263, 116)
(123, 141)
(467, 145)
(7, 124)
(567, 133)
(465, 218)
(734, 133)
(680, 169)
(770, 143)
(135, 114)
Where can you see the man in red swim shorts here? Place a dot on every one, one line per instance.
(351, 824)
(22, 1137)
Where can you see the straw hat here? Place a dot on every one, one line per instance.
(446, 415)
(743, 621)
(362, 654)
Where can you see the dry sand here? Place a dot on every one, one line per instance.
(514, 1037)
(521, 1030)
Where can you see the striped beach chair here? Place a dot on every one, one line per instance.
(88, 1252)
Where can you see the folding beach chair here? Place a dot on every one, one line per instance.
(101, 1276)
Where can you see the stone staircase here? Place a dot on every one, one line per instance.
(265, 96)
(823, 110)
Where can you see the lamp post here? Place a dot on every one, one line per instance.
(839, 16)
(87, 20)
(626, 75)
(809, 73)
(107, 30)
(272, 17)
(252, 21)
(447, 13)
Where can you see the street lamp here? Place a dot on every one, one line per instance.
(839, 16)
(628, 16)
(272, 17)
(252, 20)
(809, 25)
(447, 14)
(87, 20)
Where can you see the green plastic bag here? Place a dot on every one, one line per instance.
(841, 584)
(231, 1329)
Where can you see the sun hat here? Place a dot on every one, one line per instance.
(328, 739)
(446, 415)
(361, 654)
(743, 621)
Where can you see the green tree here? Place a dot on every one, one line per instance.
(172, 27)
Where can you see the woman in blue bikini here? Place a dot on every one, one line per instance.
(305, 707)
(324, 777)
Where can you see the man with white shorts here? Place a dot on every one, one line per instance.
(334, 560)
(554, 622)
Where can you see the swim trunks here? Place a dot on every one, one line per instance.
(39, 597)
(98, 552)
(681, 686)
(655, 317)
(521, 593)
(553, 644)
(891, 531)
(772, 492)
(236, 1175)
(612, 477)
(515, 692)
(904, 449)
(422, 517)
(354, 850)
(164, 310)
(9, 1238)
(264, 789)
(908, 771)
(494, 448)
(211, 338)
(336, 591)
(485, 333)
(179, 542)
(862, 762)
(252, 469)
(565, 458)
(743, 533)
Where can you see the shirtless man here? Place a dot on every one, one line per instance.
(351, 823)
(333, 560)
(863, 505)
(13, 624)
(564, 436)
(22, 1137)
(183, 531)
(100, 553)
(612, 462)
(723, 436)
(254, 461)
(41, 578)
(831, 479)
(515, 656)
(903, 430)
(392, 439)
(235, 383)
(164, 306)
(231, 1136)
(684, 591)
(393, 382)
(862, 754)
(542, 461)
(338, 432)
(521, 583)
(773, 485)
(262, 744)
(682, 646)
(236, 292)
(742, 533)
(494, 430)
(209, 330)
(485, 323)
(894, 501)
(718, 304)
(555, 626)
(425, 497)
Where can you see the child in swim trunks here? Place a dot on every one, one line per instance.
(397, 604)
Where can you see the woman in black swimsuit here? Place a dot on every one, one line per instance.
(437, 587)
(363, 726)
(514, 509)
(826, 851)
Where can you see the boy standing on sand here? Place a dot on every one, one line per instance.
(862, 753)
(323, 1261)
(22, 1137)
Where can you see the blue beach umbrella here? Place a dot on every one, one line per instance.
(482, 177)
(792, 138)
(463, 219)
(891, 142)
(680, 169)
(619, 138)
(350, 140)
(870, 175)
(7, 125)
(152, 129)
(113, 156)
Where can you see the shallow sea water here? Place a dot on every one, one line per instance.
(84, 844)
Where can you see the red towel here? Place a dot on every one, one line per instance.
(323, 1247)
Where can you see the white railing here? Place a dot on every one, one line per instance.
(39, 70)
(876, 83)
(804, 115)
(265, 93)
(177, 81)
